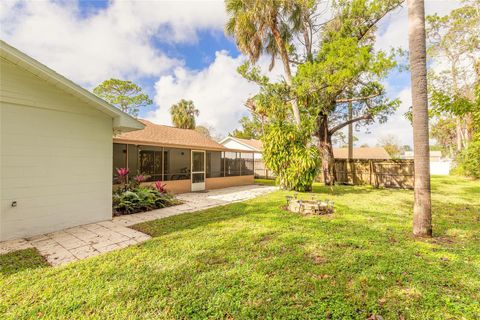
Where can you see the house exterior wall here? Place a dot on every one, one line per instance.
(225, 182)
(178, 186)
(184, 186)
(173, 186)
(440, 167)
(232, 144)
(55, 157)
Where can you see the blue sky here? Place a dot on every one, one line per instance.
(174, 50)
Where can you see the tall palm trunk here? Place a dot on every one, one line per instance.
(422, 211)
(286, 68)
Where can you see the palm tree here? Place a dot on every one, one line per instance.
(183, 114)
(422, 210)
(259, 26)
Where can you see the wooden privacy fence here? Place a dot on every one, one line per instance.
(389, 173)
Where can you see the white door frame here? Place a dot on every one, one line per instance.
(199, 186)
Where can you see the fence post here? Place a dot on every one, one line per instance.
(370, 169)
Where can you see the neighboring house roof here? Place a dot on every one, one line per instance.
(160, 135)
(253, 144)
(121, 121)
(362, 153)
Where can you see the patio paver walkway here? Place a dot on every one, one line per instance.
(92, 239)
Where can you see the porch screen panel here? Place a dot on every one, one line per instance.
(176, 164)
(214, 164)
(232, 164)
(132, 163)
(119, 159)
(222, 164)
(150, 162)
(247, 164)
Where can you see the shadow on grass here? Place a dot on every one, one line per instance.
(353, 268)
(474, 190)
(338, 189)
(21, 260)
(448, 216)
(341, 190)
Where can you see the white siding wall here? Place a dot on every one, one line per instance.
(55, 157)
(440, 167)
(231, 144)
(235, 145)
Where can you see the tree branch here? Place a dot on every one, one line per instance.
(357, 98)
(367, 116)
(363, 33)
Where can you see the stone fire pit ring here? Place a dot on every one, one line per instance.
(309, 207)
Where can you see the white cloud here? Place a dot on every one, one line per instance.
(218, 91)
(393, 32)
(393, 29)
(113, 42)
(121, 40)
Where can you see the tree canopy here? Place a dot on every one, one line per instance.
(251, 128)
(454, 51)
(183, 114)
(123, 94)
(335, 63)
(391, 144)
(454, 54)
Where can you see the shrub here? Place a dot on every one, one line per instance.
(141, 199)
(468, 161)
(289, 154)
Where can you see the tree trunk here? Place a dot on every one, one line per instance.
(458, 132)
(350, 132)
(458, 125)
(286, 68)
(326, 151)
(422, 211)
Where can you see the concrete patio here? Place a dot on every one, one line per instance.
(89, 240)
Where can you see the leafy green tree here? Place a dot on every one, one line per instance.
(203, 130)
(391, 144)
(183, 114)
(347, 71)
(340, 139)
(443, 130)
(454, 49)
(262, 26)
(344, 70)
(469, 159)
(125, 95)
(252, 128)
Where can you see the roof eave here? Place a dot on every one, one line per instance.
(121, 121)
(242, 143)
(172, 145)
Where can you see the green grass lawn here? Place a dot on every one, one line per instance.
(255, 260)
